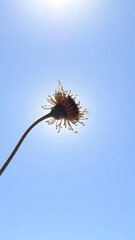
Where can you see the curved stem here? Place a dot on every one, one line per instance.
(21, 140)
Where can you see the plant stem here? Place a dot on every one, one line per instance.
(21, 140)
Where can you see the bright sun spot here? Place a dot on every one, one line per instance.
(39, 10)
(58, 4)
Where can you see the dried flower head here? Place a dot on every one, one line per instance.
(65, 110)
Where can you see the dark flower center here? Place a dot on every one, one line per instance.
(58, 112)
(66, 108)
(72, 107)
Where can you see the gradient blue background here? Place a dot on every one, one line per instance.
(68, 186)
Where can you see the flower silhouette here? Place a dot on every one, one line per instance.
(64, 110)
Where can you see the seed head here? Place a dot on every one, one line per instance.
(64, 109)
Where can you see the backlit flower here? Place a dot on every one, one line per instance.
(64, 109)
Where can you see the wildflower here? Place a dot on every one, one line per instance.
(64, 109)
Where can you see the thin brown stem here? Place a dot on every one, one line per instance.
(21, 140)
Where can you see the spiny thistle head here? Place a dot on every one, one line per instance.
(64, 109)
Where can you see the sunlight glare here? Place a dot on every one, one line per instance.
(40, 10)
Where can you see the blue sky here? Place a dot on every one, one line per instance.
(66, 185)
